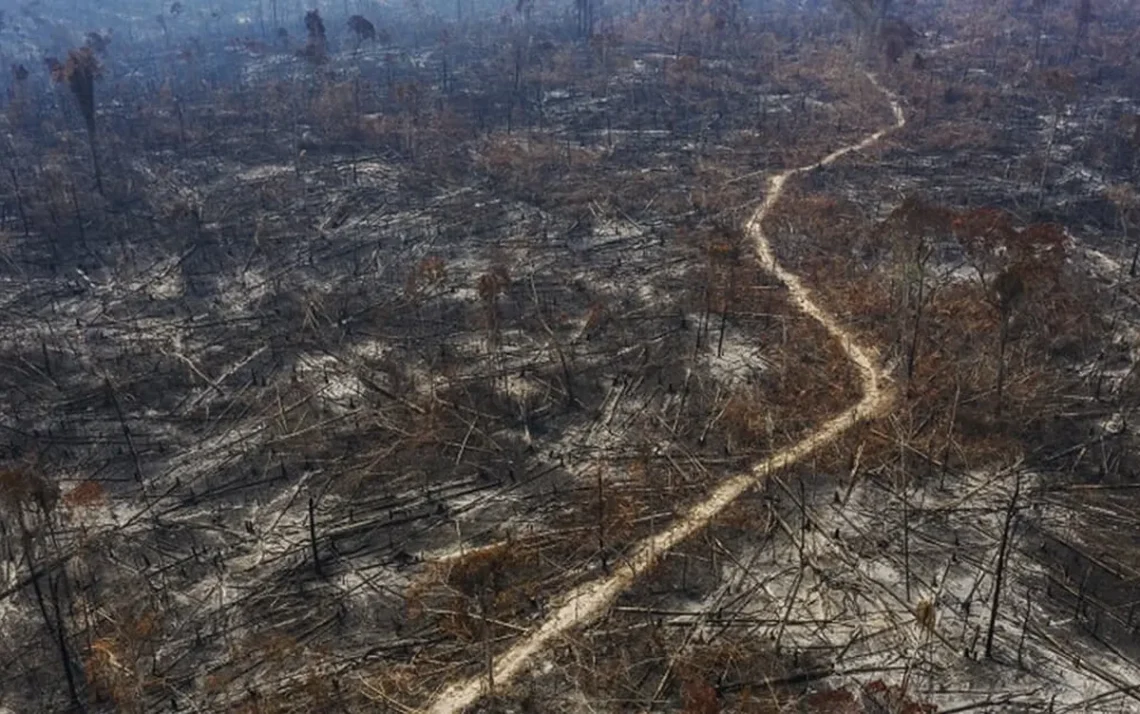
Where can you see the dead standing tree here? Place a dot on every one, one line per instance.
(362, 29)
(18, 95)
(870, 16)
(1127, 204)
(984, 234)
(722, 255)
(1008, 288)
(491, 285)
(316, 46)
(584, 14)
(1083, 17)
(1062, 88)
(30, 501)
(999, 568)
(10, 162)
(914, 227)
(1009, 264)
(80, 72)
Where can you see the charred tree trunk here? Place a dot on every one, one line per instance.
(95, 159)
(313, 538)
(56, 626)
(1003, 550)
(1003, 337)
(24, 215)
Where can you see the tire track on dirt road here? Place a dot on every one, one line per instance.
(589, 601)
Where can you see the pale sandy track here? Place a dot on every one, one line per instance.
(589, 601)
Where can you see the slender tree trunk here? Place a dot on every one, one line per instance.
(1037, 44)
(1045, 163)
(56, 628)
(78, 216)
(24, 215)
(702, 325)
(95, 160)
(61, 640)
(601, 523)
(488, 653)
(912, 351)
(950, 432)
(1025, 624)
(724, 313)
(1003, 550)
(904, 480)
(313, 538)
(1127, 232)
(181, 123)
(1002, 338)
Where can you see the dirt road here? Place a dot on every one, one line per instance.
(589, 601)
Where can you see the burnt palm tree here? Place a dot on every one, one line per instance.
(362, 28)
(316, 47)
(79, 72)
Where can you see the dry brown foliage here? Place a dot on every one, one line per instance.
(958, 345)
(832, 701)
(429, 273)
(115, 663)
(532, 161)
(748, 422)
(493, 582)
(698, 697)
(86, 495)
(24, 487)
(335, 109)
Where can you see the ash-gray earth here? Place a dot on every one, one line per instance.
(671, 356)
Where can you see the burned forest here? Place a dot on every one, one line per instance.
(742, 356)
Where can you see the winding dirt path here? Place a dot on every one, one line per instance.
(590, 601)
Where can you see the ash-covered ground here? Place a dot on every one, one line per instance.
(350, 371)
